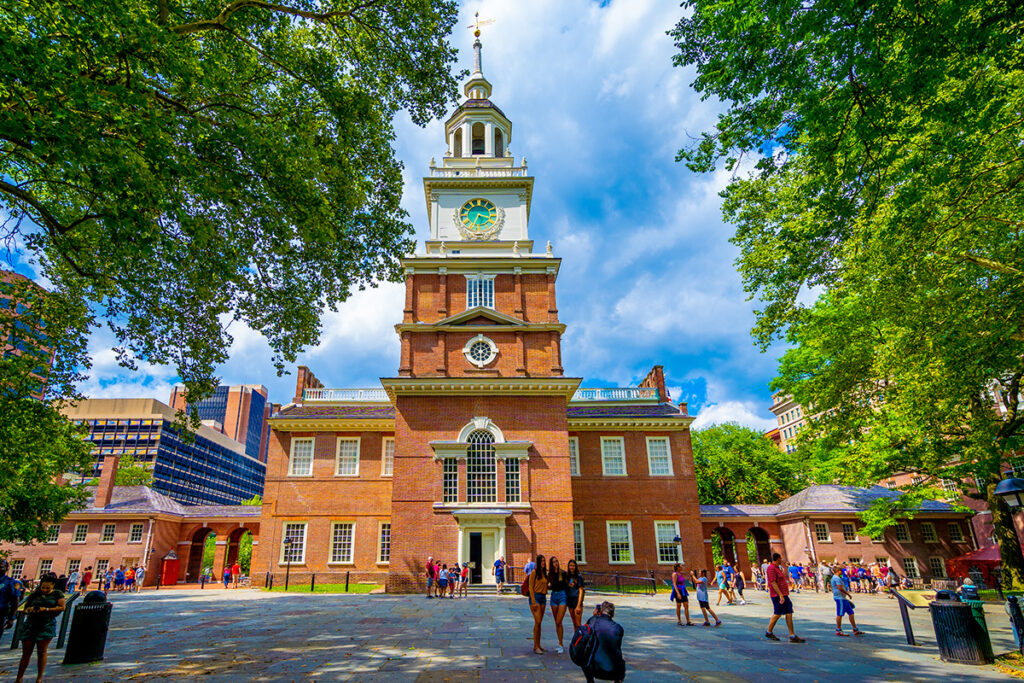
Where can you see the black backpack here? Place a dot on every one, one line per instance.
(583, 645)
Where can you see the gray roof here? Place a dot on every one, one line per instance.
(379, 412)
(820, 499)
(143, 500)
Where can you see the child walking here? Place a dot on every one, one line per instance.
(41, 609)
(701, 584)
(844, 606)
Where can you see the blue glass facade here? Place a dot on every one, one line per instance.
(196, 472)
(215, 407)
(254, 430)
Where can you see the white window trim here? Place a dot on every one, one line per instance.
(896, 534)
(917, 567)
(305, 535)
(337, 455)
(934, 533)
(142, 534)
(484, 277)
(574, 441)
(291, 456)
(856, 536)
(668, 450)
(49, 538)
(330, 548)
(383, 456)
(103, 531)
(380, 528)
(959, 530)
(622, 443)
(827, 528)
(608, 538)
(931, 569)
(583, 541)
(74, 534)
(679, 550)
(490, 343)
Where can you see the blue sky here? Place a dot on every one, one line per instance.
(648, 274)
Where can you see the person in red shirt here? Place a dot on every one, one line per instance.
(778, 589)
(86, 579)
(236, 574)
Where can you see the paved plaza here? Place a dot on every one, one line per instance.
(248, 635)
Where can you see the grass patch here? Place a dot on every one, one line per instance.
(1011, 664)
(326, 587)
(992, 595)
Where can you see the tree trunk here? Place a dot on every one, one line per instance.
(1005, 534)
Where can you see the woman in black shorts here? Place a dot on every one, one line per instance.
(574, 592)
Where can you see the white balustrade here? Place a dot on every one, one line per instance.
(340, 395)
(617, 394)
(471, 172)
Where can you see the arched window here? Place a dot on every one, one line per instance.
(481, 470)
(457, 144)
(499, 143)
(478, 138)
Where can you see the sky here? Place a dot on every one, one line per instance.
(648, 274)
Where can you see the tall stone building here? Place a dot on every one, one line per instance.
(480, 446)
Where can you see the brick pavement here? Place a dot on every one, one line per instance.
(256, 636)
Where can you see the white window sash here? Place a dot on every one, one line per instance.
(652, 458)
(380, 543)
(577, 527)
(387, 459)
(574, 456)
(337, 527)
(607, 458)
(285, 534)
(673, 530)
(307, 470)
(618, 525)
(351, 460)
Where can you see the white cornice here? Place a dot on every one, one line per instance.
(326, 424)
(584, 424)
(477, 386)
(460, 264)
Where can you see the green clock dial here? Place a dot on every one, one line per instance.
(478, 214)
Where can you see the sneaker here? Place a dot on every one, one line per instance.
(770, 636)
(858, 633)
(743, 602)
(679, 623)
(430, 597)
(559, 649)
(841, 634)
(707, 623)
(718, 622)
(796, 639)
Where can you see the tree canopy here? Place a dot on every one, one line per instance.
(877, 197)
(735, 464)
(129, 473)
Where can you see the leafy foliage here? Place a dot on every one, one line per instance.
(735, 464)
(879, 229)
(257, 499)
(129, 474)
(193, 163)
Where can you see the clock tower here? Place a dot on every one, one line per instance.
(481, 461)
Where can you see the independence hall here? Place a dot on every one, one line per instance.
(479, 447)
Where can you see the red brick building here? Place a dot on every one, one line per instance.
(132, 525)
(480, 446)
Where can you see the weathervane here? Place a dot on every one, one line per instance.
(477, 24)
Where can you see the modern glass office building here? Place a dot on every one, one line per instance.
(240, 411)
(208, 468)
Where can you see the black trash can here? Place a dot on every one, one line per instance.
(88, 634)
(960, 637)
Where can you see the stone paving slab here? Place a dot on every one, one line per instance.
(252, 636)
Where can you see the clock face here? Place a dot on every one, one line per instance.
(478, 214)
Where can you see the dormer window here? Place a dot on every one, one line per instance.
(479, 291)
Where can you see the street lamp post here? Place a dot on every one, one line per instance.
(1011, 490)
(288, 561)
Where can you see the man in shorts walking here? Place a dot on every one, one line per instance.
(844, 606)
(430, 578)
(778, 589)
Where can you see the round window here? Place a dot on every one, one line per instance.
(480, 351)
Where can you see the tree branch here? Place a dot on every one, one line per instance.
(220, 21)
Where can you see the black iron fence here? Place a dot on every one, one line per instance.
(596, 582)
(323, 582)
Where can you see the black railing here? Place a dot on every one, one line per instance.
(328, 582)
(596, 582)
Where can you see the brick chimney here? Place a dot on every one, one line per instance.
(305, 380)
(656, 379)
(108, 475)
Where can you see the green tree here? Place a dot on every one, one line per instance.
(245, 551)
(735, 464)
(257, 500)
(175, 167)
(879, 224)
(37, 444)
(129, 473)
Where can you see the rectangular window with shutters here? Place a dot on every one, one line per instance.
(81, 530)
(347, 458)
(479, 291)
(938, 567)
(579, 548)
(613, 456)
(384, 546)
(17, 567)
(45, 566)
(107, 535)
(850, 533)
(342, 542)
(821, 533)
(574, 456)
(450, 485)
(910, 567)
(300, 462)
(135, 533)
(387, 459)
(659, 458)
(956, 533)
(928, 534)
(512, 480)
(668, 550)
(74, 566)
(293, 543)
(902, 532)
(620, 542)
(53, 533)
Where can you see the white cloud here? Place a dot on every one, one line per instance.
(743, 413)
